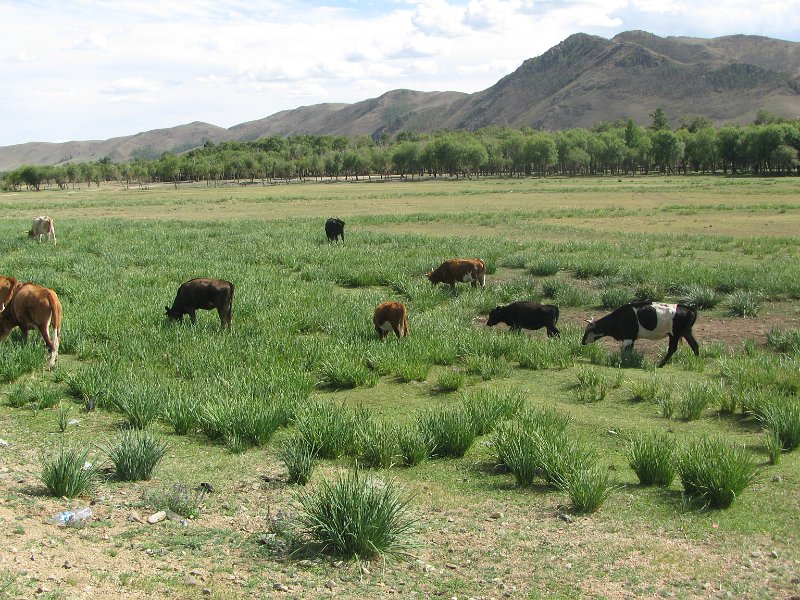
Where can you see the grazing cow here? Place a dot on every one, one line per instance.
(333, 229)
(390, 316)
(27, 305)
(42, 226)
(206, 294)
(646, 320)
(528, 315)
(467, 270)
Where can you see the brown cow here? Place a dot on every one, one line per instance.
(27, 305)
(388, 316)
(42, 226)
(455, 270)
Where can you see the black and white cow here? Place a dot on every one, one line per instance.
(528, 315)
(649, 321)
(334, 228)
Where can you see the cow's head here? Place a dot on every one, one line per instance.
(495, 316)
(173, 314)
(592, 332)
(31, 235)
(7, 286)
(432, 277)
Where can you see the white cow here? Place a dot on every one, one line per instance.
(42, 226)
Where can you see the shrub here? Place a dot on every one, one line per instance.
(358, 516)
(652, 457)
(488, 406)
(413, 445)
(744, 303)
(450, 430)
(68, 473)
(136, 454)
(299, 455)
(715, 473)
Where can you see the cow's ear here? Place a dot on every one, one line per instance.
(166, 308)
(590, 320)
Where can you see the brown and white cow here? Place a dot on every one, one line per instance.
(27, 305)
(42, 226)
(391, 316)
(457, 270)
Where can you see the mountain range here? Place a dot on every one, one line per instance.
(581, 81)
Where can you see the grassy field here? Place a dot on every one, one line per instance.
(303, 336)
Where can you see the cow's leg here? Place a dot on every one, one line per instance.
(552, 331)
(381, 332)
(51, 345)
(396, 327)
(193, 316)
(627, 346)
(692, 342)
(673, 346)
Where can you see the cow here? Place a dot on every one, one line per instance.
(527, 315)
(206, 294)
(334, 228)
(390, 316)
(649, 321)
(28, 305)
(467, 270)
(42, 226)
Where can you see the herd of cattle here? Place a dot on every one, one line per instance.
(28, 305)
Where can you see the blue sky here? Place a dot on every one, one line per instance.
(95, 69)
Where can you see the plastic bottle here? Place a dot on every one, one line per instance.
(62, 517)
(79, 518)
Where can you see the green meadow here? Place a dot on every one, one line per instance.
(302, 359)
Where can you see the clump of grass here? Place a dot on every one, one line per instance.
(358, 516)
(781, 417)
(181, 413)
(136, 454)
(140, 406)
(544, 267)
(486, 407)
(450, 381)
(93, 385)
(63, 417)
(486, 367)
(329, 427)
(413, 370)
(696, 398)
(666, 404)
(700, 296)
(652, 456)
(346, 372)
(178, 498)
(413, 445)
(784, 340)
(18, 359)
(299, 455)
(564, 294)
(649, 290)
(377, 444)
(648, 389)
(34, 395)
(714, 473)
(744, 303)
(546, 354)
(613, 298)
(240, 425)
(68, 473)
(450, 430)
(588, 486)
(592, 385)
(774, 447)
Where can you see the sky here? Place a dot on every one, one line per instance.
(97, 69)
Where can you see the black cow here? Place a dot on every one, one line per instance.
(646, 320)
(527, 315)
(334, 228)
(206, 294)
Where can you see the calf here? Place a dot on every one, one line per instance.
(389, 316)
(42, 226)
(206, 294)
(27, 305)
(333, 229)
(467, 270)
(528, 315)
(646, 320)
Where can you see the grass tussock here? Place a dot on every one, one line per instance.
(715, 473)
(652, 456)
(136, 454)
(68, 473)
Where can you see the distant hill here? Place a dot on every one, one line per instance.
(582, 80)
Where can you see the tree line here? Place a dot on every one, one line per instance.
(769, 146)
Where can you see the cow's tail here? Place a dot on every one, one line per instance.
(405, 325)
(55, 322)
(229, 315)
